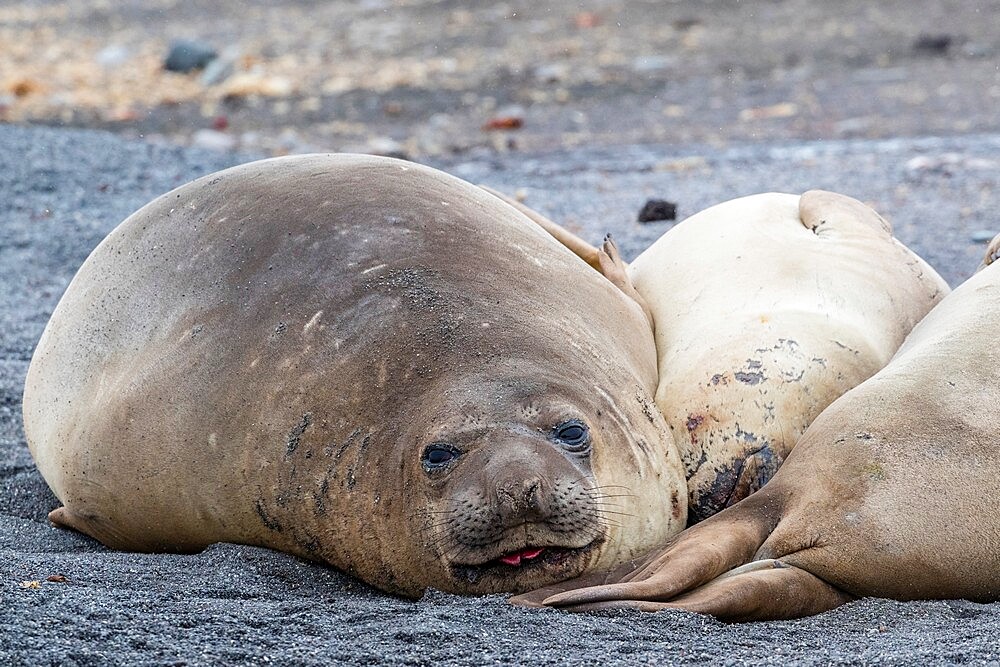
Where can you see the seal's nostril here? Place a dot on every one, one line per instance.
(531, 494)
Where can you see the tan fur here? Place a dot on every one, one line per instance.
(262, 355)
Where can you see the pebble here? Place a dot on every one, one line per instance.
(983, 235)
(552, 72)
(647, 64)
(933, 44)
(386, 146)
(112, 55)
(217, 71)
(658, 209)
(213, 140)
(948, 164)
(187, 55)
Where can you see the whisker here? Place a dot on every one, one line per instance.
(610, 486)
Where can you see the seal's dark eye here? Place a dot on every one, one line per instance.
(573, 435)
(439, 455)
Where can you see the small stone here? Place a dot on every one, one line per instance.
(978, 50)
(658, 209)
(933, 44)
(217, 71)
(387, 147)
(24, 86)
(249, 84)
(852, 126)
(585, 20)
(504, 123)
(983, 235)
(551, 72)
(112, 56)
(647, 64)
(919, 164)
(782, 110)
(213, 140)
(187, 55)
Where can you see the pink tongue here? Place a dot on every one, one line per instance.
(516, 557)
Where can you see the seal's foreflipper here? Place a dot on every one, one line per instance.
(762, 590)
(825, 212)
(992, 253)
(616, 270)
(63, 517)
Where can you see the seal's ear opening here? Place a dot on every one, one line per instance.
(605, 260)
(992, 253)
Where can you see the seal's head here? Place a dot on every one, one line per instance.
(505, 479)
(520, 483)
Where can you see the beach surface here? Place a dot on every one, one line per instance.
(62, 191)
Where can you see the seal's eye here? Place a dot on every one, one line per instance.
(438, 455)
(573, 435)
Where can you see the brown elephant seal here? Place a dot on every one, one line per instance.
(765, 309)
(891, 492)
(361, 361)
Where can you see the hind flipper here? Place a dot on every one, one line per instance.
(825, 213)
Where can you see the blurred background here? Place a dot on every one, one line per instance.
(425, 78)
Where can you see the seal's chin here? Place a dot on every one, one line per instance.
(531, 563)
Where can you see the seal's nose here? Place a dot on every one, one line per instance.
(520, 500)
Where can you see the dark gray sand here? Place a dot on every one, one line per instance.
(61, 192)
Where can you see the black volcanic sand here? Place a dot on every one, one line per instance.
(62, 191)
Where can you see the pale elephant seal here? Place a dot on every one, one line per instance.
(766, 308)
(892, 492)
(361, 361)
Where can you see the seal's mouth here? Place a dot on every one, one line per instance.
(532, 559)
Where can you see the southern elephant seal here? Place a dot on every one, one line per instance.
(891, 492)
(765, 308)
(361, 361)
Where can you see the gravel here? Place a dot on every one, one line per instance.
(62, 191)
(428, 75)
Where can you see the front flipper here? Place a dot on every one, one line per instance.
(694, 558)
(92, 526)
(606, 260)
(762, 590)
